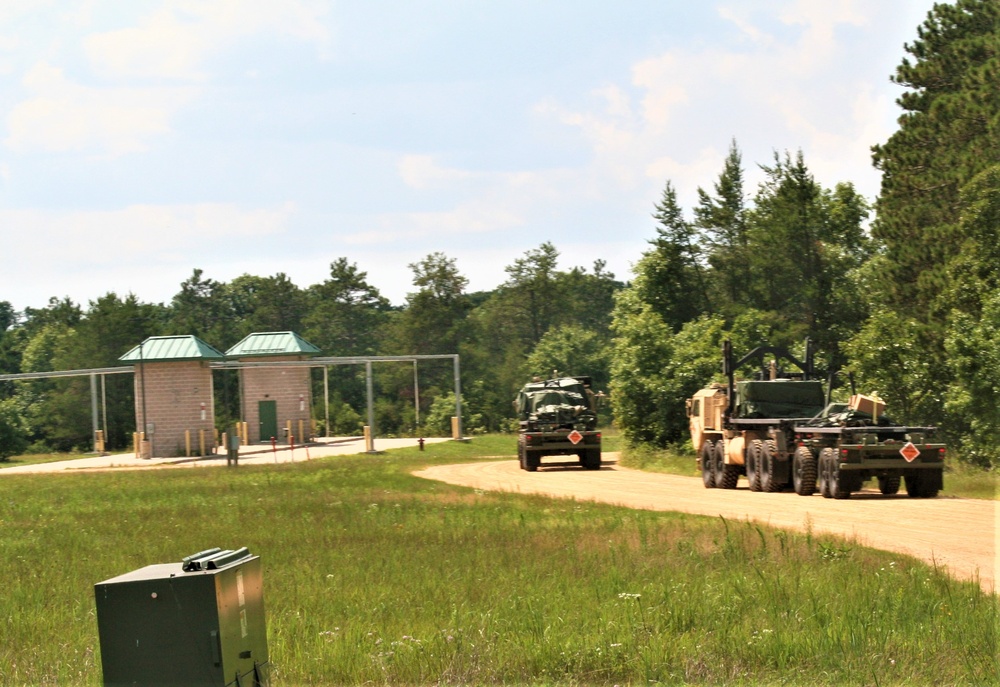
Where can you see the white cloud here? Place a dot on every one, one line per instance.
(174, 41)
(786, 88)
(423, 172)
(147, 234)
(60, 115)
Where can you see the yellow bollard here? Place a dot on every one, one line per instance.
(301, 432)
(135, 443)
(454, 428)
(288, 430)
(187, 443)
(201, 441)
(369, 444)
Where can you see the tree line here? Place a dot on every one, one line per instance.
(902, 294)
(539, 320)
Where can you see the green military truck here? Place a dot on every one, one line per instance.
(781, 431)
(558, 417)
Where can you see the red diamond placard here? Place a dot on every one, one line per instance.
(909, 451)
(575, 437)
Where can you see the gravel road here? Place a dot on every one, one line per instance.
(958, 533)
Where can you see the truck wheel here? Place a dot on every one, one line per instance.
(719, 463)
(889, 485)
(753, 464)
(707, 458)
(804, 471)
(917, 487)
(826, 467)
(766, 468)
(839, 486)
(520, 454)
(730, 476)
(592, 459)
(531, 461)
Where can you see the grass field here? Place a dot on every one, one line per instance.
(373, 576)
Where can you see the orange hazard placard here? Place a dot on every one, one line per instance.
(909, 451)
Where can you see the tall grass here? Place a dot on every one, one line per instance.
(373, 576)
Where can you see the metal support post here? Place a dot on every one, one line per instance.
(371, 403)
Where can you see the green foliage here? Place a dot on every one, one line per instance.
(570, 350)
(433, 321)
(345, 312)
(655, 370)
(974, 358)
(948, 133)
(670, 276)
(888, 359)
(13, 438)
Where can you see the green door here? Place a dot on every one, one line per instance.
(268, 419)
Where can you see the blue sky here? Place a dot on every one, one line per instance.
(142, 139)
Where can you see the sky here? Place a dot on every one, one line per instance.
(141, 139)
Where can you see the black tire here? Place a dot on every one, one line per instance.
(839, 485)
(804, 471)
(719, 462)
(767, 469)
(707, 458)
(592, 459)
(918, 487)
(730, 476)
(531, 461)
(826, 467)
(520, 453)
(889, 485)
(753, 464)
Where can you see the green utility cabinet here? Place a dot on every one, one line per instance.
(197, 623)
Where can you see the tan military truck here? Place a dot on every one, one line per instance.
(780, 430)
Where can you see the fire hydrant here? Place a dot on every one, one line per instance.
(420, 443)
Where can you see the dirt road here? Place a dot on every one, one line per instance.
(958, 533)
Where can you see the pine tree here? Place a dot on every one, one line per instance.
(949, 132)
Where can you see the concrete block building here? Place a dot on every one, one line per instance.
(174, 395)
(273, 397)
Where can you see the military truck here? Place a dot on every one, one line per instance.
(558, 417)
(781, 431)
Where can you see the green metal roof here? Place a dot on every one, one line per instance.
(161, 348)
(272, 343)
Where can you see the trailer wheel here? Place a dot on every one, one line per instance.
(826, 467)
(753, 464)
(768, 478)
(917, 487)
(591, 459)
(532, 461)
(707, 458)
(804, 471)
(719, 464)
(840, 486)
(889, 485)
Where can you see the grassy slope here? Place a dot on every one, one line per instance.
(373, 575)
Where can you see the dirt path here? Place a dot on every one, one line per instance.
(958, 533)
